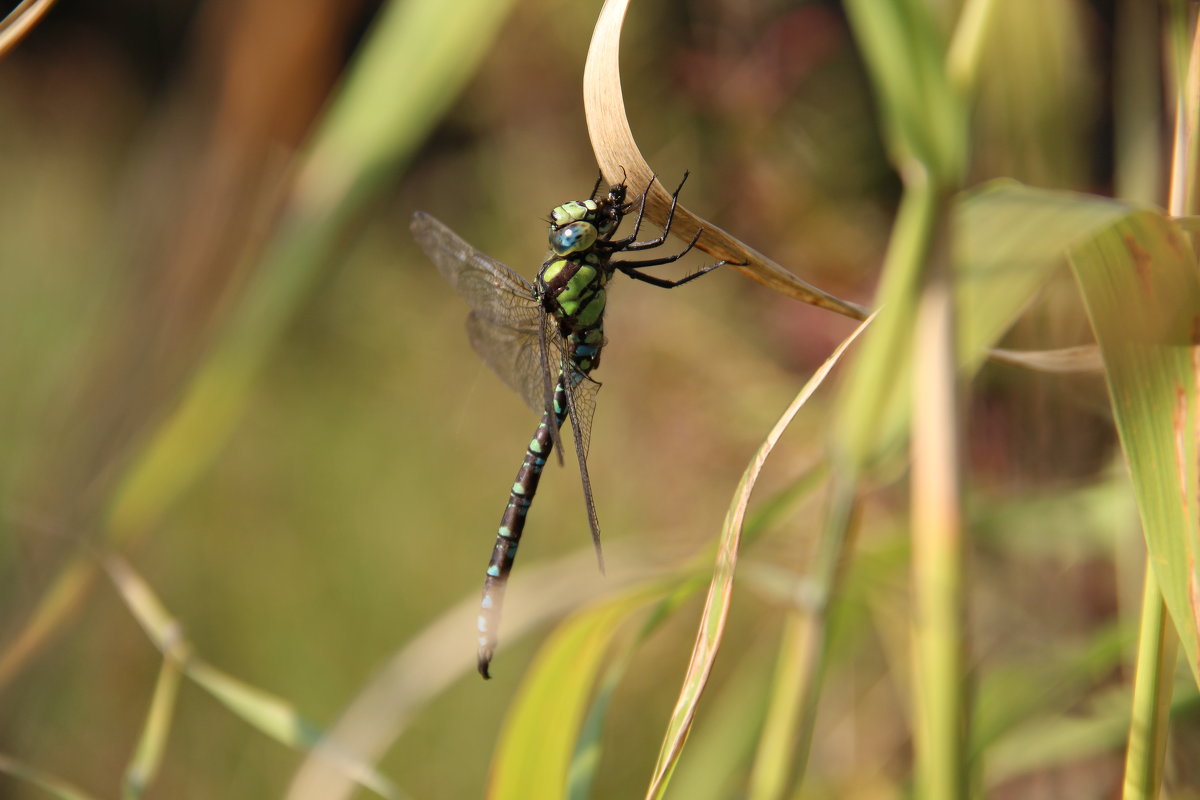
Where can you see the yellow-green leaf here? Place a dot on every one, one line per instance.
(147, 758)
(537, 745)
(270, 714)
(720, 592)
(1142, 294)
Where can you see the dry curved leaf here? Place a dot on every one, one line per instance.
(20, 21)
(1084, 358)
(619, 159)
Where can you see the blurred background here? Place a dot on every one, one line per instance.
(146, 152)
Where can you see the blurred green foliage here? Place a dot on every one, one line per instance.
(142, 149)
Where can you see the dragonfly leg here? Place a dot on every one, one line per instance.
(664, 283)
(596, 188)
(630, 242)
(630, 268)
(654, 262)
(626, 242)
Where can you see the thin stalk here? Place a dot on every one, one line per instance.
(1146, 750)
(772, 761)
(1137, 100)
(837, 542)
(916, 266)
(1186, 146)
(924, 104)
(861, 428)
(938, 619)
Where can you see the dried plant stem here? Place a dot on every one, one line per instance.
(620, 159)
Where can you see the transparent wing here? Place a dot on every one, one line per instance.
(493, 291)
(513, 354)
(505, 320)
(583, 398)
(581, 404)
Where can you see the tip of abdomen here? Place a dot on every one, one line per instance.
(485, 658)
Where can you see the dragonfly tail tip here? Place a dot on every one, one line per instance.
(484, 660)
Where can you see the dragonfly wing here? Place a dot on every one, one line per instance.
(505, 321)
(581, 404)
(491, 289)
(513, 354)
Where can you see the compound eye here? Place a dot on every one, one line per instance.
(573, 238)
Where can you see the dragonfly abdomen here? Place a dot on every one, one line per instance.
(512, 525)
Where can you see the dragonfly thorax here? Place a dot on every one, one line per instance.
(572, 290)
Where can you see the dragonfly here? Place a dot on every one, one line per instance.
(543, 338)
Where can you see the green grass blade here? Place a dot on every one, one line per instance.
(73, 582)
(1008, 240)
(1137, 101)
(1157, 649)
(264, 711)
(938, 628)
(720, 748)
(774, 763)
(873, 405)
(268, 713)
(586, 760)
(1142, 295)
(587, 751)
(412, 66)
(147, 758)
(1012, 238)
(720, 592)
(430, 662)
(924, 115)
(416, 59)
(536, 749)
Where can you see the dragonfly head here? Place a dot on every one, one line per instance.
(575, 226)
(611, 208)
